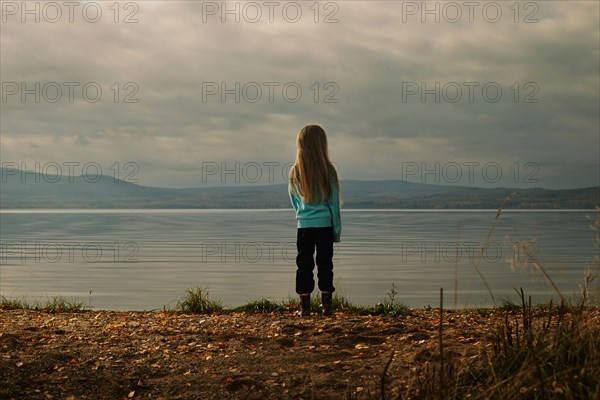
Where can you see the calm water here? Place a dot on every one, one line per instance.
(143, 260)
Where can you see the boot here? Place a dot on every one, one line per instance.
(305, 305)
(327, 300)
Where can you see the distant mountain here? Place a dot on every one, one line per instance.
(29, 190)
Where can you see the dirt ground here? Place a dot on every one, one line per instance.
(156, 355)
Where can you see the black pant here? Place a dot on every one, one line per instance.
(306, 241)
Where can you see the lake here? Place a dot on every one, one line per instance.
(145, 259)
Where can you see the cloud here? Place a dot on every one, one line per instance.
(365, 62)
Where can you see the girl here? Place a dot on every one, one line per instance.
(314, 192)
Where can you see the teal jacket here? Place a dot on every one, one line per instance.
(319, 215)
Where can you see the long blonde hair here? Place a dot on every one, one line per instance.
(312, 171)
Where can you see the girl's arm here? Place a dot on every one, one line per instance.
(334, 206)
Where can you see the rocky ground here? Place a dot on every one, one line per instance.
(157, 355)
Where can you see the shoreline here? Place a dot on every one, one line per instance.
(205, 210)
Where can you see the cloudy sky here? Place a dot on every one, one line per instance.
(493, 94)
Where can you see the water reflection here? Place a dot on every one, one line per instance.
(144, 259)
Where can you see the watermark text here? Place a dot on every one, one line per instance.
(53, 171)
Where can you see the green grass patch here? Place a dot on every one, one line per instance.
(52, 305)
(389, 307)
(14, 304)
(263, 305)
(63, 304)
(341, 303)
(197, 301)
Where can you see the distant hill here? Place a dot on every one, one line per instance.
(28, 190)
